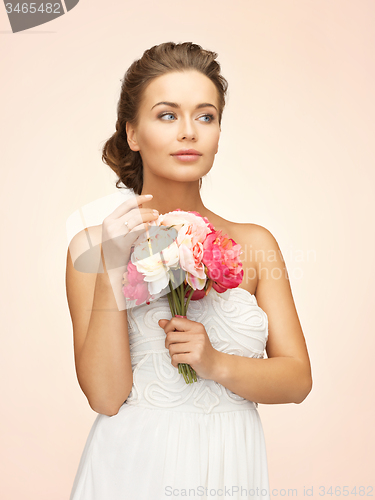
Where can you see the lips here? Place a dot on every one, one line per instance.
(189, 152)
(187, 155)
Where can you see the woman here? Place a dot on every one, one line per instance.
(155, 436)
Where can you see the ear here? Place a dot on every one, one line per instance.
(132, 137)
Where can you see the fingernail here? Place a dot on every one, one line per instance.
(155, 212)
(148, 195)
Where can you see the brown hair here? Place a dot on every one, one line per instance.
(156, 61)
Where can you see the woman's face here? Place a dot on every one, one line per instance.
(164, 129)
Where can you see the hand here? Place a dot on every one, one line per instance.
(190, 344)
(117, 238)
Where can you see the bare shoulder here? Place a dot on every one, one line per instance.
(262, 247)
(259, 246)
(259, 237)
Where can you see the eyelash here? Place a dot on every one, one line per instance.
(212, 117)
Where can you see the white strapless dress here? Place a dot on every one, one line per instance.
(173, 439)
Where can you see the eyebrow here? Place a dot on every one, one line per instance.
(175, 105)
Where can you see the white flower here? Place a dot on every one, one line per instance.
(156, 266)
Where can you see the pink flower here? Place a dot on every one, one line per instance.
(133, 276)
(221, 258)
(137, 288)
(192, 232)
(183, 221)
(209, 225)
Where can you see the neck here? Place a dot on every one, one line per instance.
(169, 195)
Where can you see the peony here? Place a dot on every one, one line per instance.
(221, 257)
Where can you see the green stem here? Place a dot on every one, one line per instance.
(181, 299)
(183, 291)
(189, 297)
(177, 307)
(175, 298)
(170, 303)
(187, 372)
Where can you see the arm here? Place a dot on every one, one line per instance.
(100, 330)
(285, 376)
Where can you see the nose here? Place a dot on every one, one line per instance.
(187, 130)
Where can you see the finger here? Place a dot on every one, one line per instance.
(179, 324)
(185, 348)
(131, 203)
(176, 338)
(180, 358)
(136, 218)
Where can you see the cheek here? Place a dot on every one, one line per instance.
(154, 139)
(214, 140)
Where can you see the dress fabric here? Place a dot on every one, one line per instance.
(173, 439)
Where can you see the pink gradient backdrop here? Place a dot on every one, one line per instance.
(295, 156)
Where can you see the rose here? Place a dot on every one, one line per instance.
(192, 231)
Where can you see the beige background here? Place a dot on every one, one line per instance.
(295, 156)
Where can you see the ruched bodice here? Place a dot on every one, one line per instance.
(235, 324)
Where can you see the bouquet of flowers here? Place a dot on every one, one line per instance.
(183, 253)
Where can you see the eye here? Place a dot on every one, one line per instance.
(166, 114)
(211, 117)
